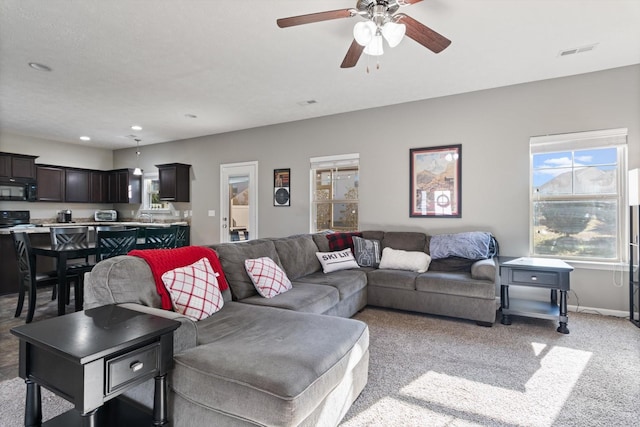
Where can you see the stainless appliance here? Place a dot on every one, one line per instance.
(18, 191)
(19, 219)
(65, 216)
(105, 215)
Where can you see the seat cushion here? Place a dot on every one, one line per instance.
(400, 279)
(268, 366)
(303, 297)
(347, 282)
(455, 284)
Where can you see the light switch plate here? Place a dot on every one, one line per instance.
(212, 213)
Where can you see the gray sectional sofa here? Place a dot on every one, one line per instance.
(296, 358)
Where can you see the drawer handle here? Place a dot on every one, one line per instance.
(136, 366)
(534, 278)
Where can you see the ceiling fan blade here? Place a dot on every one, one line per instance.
(422, 34)
(315, 17)
(352, 56)
(407, 2)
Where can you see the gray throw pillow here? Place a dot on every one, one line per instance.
(366, 251)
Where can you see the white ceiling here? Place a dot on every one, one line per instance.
(149, 62)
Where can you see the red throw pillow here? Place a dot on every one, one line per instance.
(341, 241)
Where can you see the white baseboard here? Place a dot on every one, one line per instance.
(594, 310)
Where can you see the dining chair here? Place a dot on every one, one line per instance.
(160, 237)
(110, 243)
(182, 236)
(68, 235)
(30, 280)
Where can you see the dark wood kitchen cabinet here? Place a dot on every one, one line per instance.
(17, 166)
(124, 186)
(174, 182)
(50, 181)
(99, 186)
(77, 186)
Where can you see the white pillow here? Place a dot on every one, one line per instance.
(194, 289)
(267, 276)
(339, 260)
(397, 259)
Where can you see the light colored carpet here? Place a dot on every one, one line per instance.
(430, 371)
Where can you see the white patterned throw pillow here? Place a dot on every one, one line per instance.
(339, 260)
(268, 278)
(194, 289)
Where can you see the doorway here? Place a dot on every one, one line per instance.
(238, 202)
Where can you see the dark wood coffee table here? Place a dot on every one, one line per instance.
(90, 358)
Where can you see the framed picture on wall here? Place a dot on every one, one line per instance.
(281, 187)
(436, 182)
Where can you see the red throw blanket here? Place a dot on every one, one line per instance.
(163, 260)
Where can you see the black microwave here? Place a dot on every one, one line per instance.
(18, 191)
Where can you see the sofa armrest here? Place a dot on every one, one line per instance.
(184, 338)
(485, 269)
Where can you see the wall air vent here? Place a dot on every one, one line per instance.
(575, 50)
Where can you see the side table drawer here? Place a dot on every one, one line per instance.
(540, 278)
(132, 366)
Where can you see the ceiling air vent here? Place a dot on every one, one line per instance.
(575, 50)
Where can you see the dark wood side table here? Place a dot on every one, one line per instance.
(91, 357)
(538, 273)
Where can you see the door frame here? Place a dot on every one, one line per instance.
(228, 170)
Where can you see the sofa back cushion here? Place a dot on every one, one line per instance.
(298, 255)
(405, 240)
(232, 256)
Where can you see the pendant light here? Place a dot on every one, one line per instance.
(137, 171)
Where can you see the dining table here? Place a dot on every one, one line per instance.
(62, 253)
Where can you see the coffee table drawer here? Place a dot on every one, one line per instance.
(533, 277)
(132, 366)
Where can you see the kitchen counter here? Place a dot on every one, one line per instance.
(44, 228)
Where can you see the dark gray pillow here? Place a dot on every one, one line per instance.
(366, 252)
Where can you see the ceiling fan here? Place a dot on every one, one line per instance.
(382, 22)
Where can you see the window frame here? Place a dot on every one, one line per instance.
(574, 142)
(145, 206)
(337, 162)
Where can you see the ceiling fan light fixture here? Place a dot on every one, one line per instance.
(374, 48)
(364, 32)
(393, 33)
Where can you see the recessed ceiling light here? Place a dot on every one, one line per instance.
(190, 116)
(39, 67)
(136, 127)
(85, 138)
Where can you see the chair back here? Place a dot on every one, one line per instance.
(63, 235)
(26, 258)
(160, 238)
(112, 243)
(182, 236)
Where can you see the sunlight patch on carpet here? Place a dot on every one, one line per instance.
(438, 399)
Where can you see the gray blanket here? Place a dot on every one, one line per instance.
(471, 245)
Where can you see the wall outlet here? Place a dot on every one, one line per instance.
(212, 213)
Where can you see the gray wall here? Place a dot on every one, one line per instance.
(493, 126)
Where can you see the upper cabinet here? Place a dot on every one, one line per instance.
(77, 186)
(124, 186)
(51, 181)
(17, 166)
(174, 181)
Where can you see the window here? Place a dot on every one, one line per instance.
(150, 194)
(577, 195)
(334, 193)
